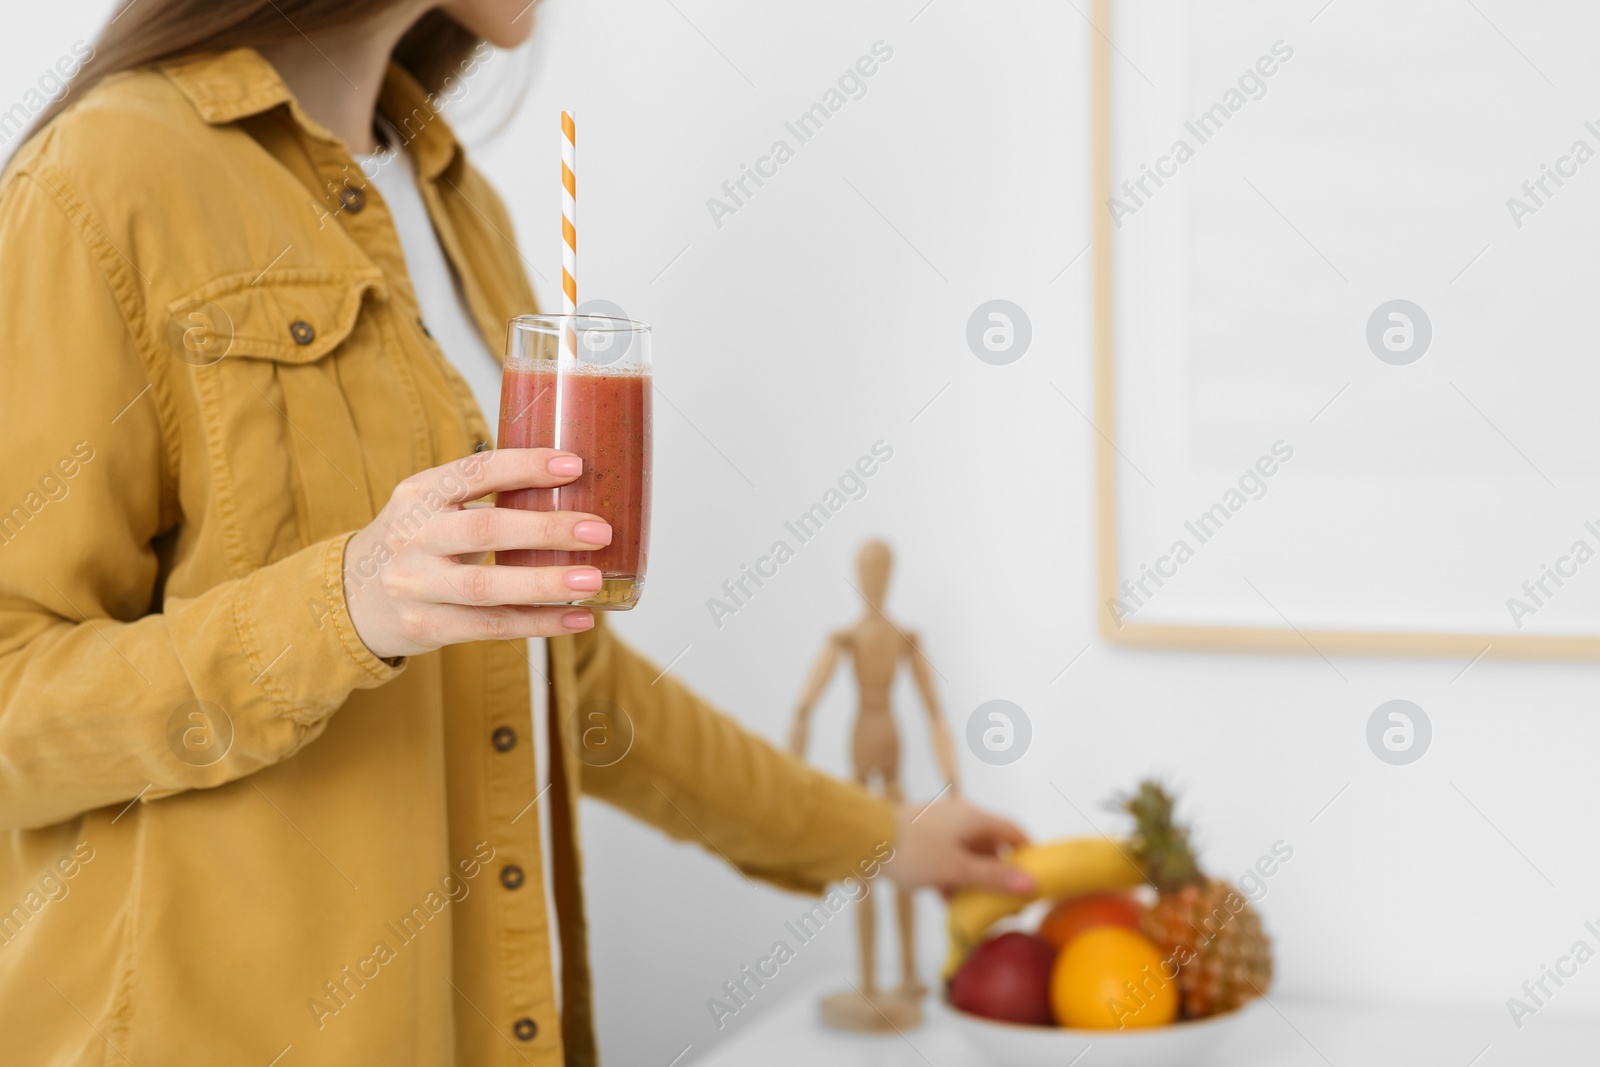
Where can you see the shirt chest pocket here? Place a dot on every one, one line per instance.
(310, 416)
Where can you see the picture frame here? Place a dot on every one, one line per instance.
(1286, 632)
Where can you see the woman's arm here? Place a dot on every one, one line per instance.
(99, 675)
(697, 775)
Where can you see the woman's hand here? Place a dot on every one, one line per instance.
(952, 845)
(412, 577)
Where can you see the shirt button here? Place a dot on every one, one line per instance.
(525, 1029)
(505, 739)
(511, 876)
(353, 200)
(302, 332)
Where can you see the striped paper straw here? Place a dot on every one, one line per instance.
(569, 227)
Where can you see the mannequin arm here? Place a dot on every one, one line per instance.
(944, 751)
(817, 681)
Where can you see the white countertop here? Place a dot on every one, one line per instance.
(1287, 1033)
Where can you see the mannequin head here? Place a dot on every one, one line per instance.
(873, 563)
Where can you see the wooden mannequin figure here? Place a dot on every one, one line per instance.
(876, 646)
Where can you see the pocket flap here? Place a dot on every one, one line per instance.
(292, 316)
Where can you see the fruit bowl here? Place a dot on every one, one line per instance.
(1013, 1045)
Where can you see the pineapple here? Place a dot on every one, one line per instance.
(1204, 925)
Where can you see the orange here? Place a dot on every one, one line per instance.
(1110, 978)
(1071, 917)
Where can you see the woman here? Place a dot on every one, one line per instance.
(266, 755)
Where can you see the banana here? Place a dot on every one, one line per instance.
(1064, 868)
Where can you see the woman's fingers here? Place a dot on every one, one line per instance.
(950, 844)
(984, 872)
(476, 585)
(988, 832)
(982, 838)
(491, 472)
(449, 624)
(426, 596)
(476, 530)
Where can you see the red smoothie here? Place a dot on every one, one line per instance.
(605, 419)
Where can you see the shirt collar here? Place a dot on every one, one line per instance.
(415, 113)
(225, 87)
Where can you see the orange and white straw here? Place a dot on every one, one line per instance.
(569, 228)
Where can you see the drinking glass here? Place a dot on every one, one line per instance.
(582, 383)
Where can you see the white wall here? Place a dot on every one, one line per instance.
(822, 317)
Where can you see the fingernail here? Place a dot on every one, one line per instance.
(1020, 884)
(586, 580)
(578, 620)
(592, 533)
(565, 466)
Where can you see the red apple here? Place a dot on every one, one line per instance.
(1007, 978)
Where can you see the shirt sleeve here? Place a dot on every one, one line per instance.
(110, 691)
(694, 773)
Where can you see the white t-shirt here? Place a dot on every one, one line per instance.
(445, 313)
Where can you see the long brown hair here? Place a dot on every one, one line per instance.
(144, 32)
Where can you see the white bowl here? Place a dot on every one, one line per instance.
(1014, 1045)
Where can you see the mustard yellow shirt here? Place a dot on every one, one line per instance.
(233, 833)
